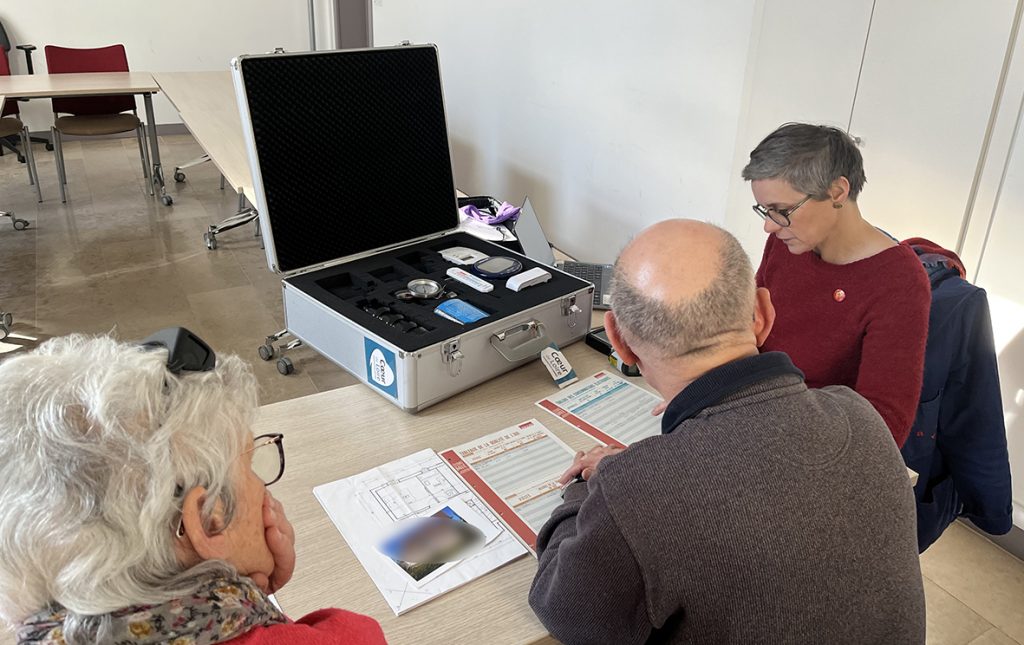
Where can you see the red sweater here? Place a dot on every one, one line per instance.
(862, 325)
(322, 627)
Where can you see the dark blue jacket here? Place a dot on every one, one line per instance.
(958, 442)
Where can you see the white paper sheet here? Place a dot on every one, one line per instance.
(607, 408)
(365, 505)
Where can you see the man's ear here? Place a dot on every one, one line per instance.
(619, 344)
(207, 541)
(764, 315)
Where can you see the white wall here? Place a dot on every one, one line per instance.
(610, 115)
(186, 35)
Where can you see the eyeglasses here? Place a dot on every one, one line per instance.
(267, 462)
(779, 215)
(268, 457)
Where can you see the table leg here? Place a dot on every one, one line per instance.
(158, 171)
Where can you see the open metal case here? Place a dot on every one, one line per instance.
(356, 197)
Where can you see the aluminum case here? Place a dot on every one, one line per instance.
(355, 192)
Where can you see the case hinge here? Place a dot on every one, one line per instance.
(571, 309)
(452, 356)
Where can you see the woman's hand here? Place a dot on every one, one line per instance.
(280, 537)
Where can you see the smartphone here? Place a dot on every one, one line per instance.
(598, 339)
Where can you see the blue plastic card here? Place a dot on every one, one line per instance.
(459, 311)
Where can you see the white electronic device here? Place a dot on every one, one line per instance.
(462, 255)
(470, 280)
(528, 278)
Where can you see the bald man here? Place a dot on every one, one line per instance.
(764, 512)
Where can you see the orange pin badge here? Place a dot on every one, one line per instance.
(839, 295)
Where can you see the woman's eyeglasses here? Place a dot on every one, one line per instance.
(779, 215)
(267, 462)
(268, 457)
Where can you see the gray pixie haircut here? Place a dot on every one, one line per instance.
(694, 326)
(97, 440)
(809, 157)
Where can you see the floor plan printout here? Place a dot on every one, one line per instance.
(608, 408)
(364, 506)
(516, 472)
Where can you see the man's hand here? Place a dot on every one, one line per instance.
(280, 537)
(585, 463)
(658, 409)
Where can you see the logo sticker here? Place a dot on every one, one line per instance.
(380, 368)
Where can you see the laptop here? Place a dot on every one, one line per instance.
(536, 247)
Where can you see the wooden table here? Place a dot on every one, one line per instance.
(343, 432)
(206, 103)
(30, 86)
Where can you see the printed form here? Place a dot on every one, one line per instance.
(516, 472)
(608, 408)
(367, 505)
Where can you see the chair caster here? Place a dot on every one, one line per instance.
(49, 147)
(21, 158)
(285, 366)
(266, 351)
(211, 241)
(19, 224)
(7, 319)
(179, 177)
(167, 200)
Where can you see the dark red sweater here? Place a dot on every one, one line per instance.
(863, 325)
(323, 627)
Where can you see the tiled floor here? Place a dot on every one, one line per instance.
(114, 259)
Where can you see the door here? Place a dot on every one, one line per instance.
(922, 110)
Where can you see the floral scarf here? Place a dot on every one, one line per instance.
(219, 610)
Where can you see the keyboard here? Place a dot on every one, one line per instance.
(599, 274)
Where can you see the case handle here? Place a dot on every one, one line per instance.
(505, 341)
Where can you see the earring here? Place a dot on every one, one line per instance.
(836, 205)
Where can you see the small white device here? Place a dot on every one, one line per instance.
(470, 280)
(462, 255)
(528, 278)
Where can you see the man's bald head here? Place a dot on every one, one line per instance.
(683, 287)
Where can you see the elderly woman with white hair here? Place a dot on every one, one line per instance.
(135, 502)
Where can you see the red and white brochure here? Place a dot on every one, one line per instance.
(515, 472)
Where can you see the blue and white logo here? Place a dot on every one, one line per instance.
(380, 368)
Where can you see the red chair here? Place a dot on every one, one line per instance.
(92, 116)
(11, 125)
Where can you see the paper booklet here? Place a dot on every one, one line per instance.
(607, 408)
(505, 489)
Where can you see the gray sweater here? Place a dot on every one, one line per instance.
(776, 514)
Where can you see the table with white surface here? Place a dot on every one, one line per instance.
(336, 434)
(34, 86)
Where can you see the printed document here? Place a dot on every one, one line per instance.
(516, 472)
(608, 408)
(368, 505)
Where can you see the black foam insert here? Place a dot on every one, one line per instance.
(353, 150)
(372, 282)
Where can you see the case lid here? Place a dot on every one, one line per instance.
(348, 149)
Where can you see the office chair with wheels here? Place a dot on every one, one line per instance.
(5, 48)
(6, 320)
(92, 116)
(11, 126)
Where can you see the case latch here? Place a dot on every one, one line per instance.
(571, 309)
(452, 356)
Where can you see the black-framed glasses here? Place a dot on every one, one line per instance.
(779, 215)
(267, 462)
(268, 457)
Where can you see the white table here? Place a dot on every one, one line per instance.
(33, 86)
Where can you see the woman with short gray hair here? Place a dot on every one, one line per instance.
(135, 507)
(852, 303)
